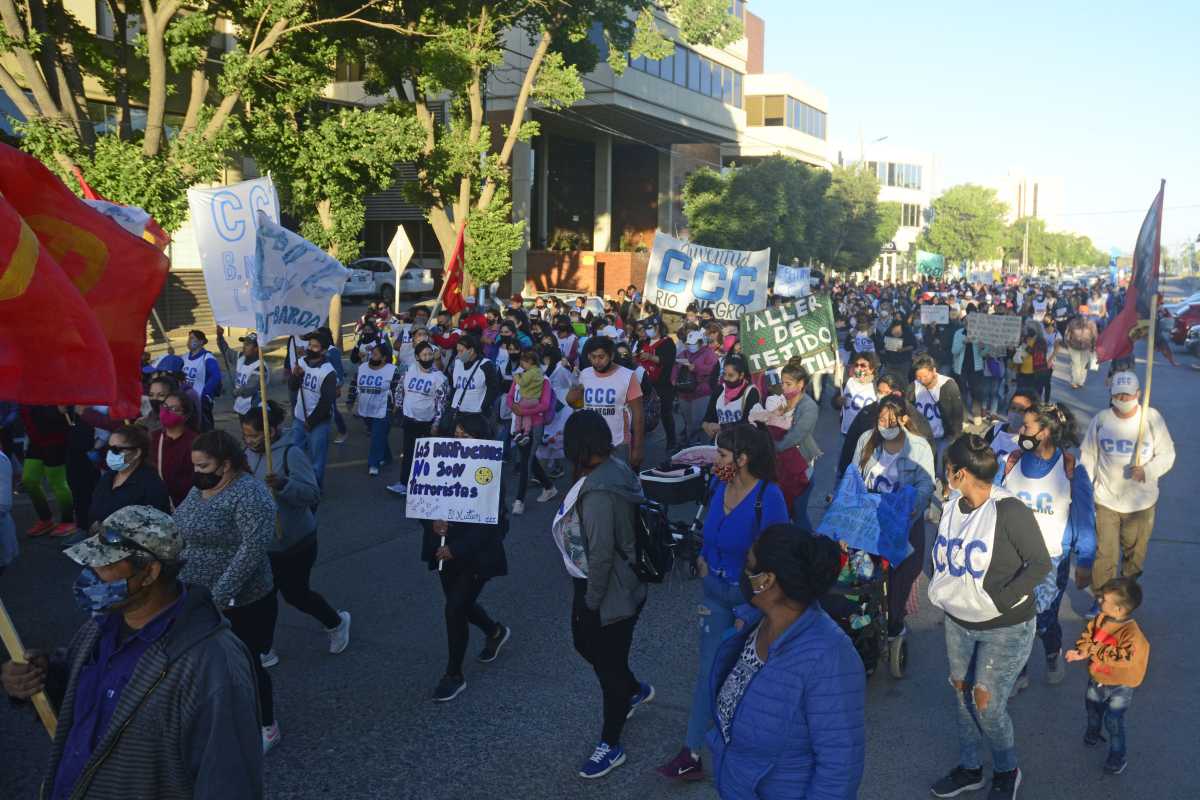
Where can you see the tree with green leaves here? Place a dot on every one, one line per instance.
(854, 224)
(775, 202)
(454, 48)
(968, 225)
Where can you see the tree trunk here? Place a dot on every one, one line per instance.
(72, 97)
(15, 27)
(325, 215)
(121, 68)
(156, 58)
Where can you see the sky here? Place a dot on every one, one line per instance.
(1104, 94)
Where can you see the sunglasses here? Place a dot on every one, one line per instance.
(117, 448)
(112, 537)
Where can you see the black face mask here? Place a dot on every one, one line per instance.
(564, 328)
(205, 480)
(156, 404)
(1027, 443)
(376, 362)
(426, 362)
(746, 587)
(314, 359)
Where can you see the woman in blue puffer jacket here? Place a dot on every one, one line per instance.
(788, 686)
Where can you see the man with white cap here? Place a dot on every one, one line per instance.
(155, 696)
(1126, 483)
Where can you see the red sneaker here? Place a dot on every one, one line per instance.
(64, 529)
(40, 528)
(683, 767)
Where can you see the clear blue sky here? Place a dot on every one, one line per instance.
(1104, 94)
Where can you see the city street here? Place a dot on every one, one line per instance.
(361, 724)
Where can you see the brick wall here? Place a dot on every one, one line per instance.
(585, 271)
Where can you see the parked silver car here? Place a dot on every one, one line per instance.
(375, 278)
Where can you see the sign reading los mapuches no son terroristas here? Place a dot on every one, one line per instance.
(456, 480)
(803, 328)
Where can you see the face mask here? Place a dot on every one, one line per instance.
(651, 333)
(314, 359)
(748, 590)
(625, 361)
(564, 328)
(205, 480)
(1015, 420)
(861, 373)
(169, 418)
(1027, 443)
(732, 384)
(466, 358)
(693, 348)
(94, 596)
(193, 344)
(426, 362)
(725, 472)
(889, 434)
(155, 404)
(1124, 406)
(376, 362)
(792, 394)
(115, 461)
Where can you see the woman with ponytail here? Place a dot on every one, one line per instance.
(891, 456)
(1045, 477)
(788, 689)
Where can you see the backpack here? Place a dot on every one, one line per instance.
(1014, 458)
(653, 543)
(685, 379)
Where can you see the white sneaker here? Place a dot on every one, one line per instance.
(341, 438)
(269, 658)
(270, 736)
(518, 507)
(549, 493)
(339, 637)
(372, 471)
(400, 488)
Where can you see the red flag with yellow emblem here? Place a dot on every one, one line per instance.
(118, 275)
(52, 350)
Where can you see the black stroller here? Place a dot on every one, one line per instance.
(859, 605)
(672, 485)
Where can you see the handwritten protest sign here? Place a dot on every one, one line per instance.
(792, 281)
(730, 282)
(935, 314)
(457, 480)
(1001, 332)
(801, 328)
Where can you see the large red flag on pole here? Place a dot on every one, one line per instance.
(117, 274)
(452, 295)
(1117, 339)
(52, 350)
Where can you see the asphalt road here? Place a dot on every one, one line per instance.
(361, 725)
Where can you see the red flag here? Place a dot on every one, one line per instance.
(118, 275)
(151, 231)
(52, 351)
(1115, 341)
(452, 297)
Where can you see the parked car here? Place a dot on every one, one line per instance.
(1193, 340)
(1183, 322)
(1179, 306)
(375, 278)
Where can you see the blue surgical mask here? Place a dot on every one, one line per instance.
(94, 596)
(115, 461)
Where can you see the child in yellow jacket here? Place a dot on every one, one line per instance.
(1118, 654)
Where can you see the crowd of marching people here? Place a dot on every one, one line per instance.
(187, 532)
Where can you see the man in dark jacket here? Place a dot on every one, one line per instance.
(155, 695)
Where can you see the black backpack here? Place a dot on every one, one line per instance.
(653, 545)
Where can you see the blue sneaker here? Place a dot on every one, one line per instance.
(645, 695)
(603, 761)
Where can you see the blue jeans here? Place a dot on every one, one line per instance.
(800, 507)
(1108, 704)
(380, 452)
(988, 661)
(315, 443)
(1049, 595)
(338, 420)
(716, 617)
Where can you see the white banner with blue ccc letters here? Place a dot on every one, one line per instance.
(792, 281)
(730, 282)
(223, 219)
(291, 282)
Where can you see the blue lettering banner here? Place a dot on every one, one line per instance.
(291, 281)
(730, 282)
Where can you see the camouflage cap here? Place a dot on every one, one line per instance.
(127, 532)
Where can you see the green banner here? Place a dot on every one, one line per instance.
(930, 264)
(801, 328)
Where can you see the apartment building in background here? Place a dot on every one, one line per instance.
(1032, 196)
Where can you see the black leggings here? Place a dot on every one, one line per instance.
(902, 577)
(254, 624)
(413, 430)
(529, 462)
(292, 569)
(606, 648)
(666, 395)
(462, 588)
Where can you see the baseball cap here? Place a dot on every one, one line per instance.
(165, 364)
(612, 332)
(251, 337)
(321, 336)
(1124, 383)
(126, 532)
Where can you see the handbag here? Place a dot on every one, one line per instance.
(449, 420)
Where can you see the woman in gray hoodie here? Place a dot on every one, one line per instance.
(594, 529)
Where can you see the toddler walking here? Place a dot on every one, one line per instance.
(1118, 653)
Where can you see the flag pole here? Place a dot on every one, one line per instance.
(266, 422)
(16, 651)
(1137, 447)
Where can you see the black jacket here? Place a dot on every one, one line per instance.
(142, 488)
(475, 546)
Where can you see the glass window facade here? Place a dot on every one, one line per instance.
(890, 173)
(783, 110)
(910, 215)
(693, 71)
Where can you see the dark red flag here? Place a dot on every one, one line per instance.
(52, 350)
(1115, 341)
(452, 296)
(118, 275)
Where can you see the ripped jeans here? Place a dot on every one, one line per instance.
(983, 669)
(716, 616)
(1108, 704)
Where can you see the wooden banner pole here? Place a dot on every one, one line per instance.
(16, 651)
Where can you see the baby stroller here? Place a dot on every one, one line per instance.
(685, 479)
(858, 603)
